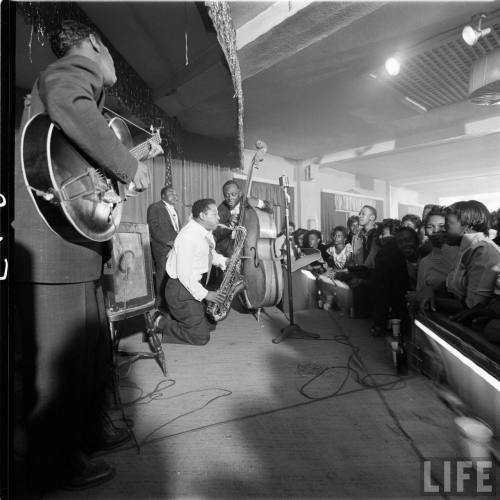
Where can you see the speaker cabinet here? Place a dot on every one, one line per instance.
(128, 274)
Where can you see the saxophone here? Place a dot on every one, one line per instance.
(233, 282)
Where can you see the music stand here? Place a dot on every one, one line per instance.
(292, 330)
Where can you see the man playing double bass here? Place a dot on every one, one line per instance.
(230, 216)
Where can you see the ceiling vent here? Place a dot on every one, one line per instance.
(484, 82)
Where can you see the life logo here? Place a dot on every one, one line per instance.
(458, 477)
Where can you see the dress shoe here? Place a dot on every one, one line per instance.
(108, 437)
(87, 473)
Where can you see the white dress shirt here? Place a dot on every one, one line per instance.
(189, 258)
(173, 215)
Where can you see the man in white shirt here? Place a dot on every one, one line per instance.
(164, 225)
(191, 257)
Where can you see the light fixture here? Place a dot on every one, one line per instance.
(392, 66)
(471, 35)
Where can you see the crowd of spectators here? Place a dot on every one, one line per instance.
(448, 260)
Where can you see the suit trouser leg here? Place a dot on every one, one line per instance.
(188, 324)
(63, 351)
(161, 278)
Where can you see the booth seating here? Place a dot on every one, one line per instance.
(463, 359)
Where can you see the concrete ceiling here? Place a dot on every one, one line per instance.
(318, 104)
(304, 67)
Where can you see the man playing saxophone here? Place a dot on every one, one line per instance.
(191, 257)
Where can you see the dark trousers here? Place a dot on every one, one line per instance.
(161, 277)
(188, 323)
(66, 370)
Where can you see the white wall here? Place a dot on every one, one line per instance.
(308, 192)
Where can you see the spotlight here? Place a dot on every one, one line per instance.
(392, 66)
(471, 35)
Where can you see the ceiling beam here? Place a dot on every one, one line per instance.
(265, 42)
(267, 20)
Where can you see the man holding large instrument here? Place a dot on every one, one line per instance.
(230, 215)
(58, 298)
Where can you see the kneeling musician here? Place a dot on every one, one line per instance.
(191, 257)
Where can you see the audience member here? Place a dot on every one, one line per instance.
(495, 226)
(339, 256)
(434, 267)
(471, 282)
(299, 237)
(362, 242)
(353, 227)
(339, 253)
(390, 279)
(313, 239)
(412, 221)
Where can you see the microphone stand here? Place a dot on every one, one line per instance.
(292, 330)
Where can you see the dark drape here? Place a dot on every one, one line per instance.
(194, 180)
(135, 208)
(273, 194)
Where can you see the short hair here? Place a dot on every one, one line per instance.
(472, 214)
(298, 233)
(427, 208)
(392, 224)
(410, 231)
(413, 218)
(200, 206)
(315, 232)
(351, 220)
(164, 190)
(229, 183)
(435, 210)
(339, 229)
(372, 209)
(69, 34)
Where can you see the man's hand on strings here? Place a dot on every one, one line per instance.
(155, 150)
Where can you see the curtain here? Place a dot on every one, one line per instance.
(194, 180)
(135, 208)
(275, 195)
(328, 214)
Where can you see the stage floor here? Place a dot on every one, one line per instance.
(230, 420)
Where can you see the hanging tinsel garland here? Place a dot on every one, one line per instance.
(226, 34)
(130, 90)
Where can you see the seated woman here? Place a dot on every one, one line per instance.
(339, 256)
(299, 238)
(313, 239)
(434, 267)
(472, 279)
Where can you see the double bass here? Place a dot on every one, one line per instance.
(261, 268)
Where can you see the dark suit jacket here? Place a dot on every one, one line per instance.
(161, 230)
(223, 242)
(71, 91)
